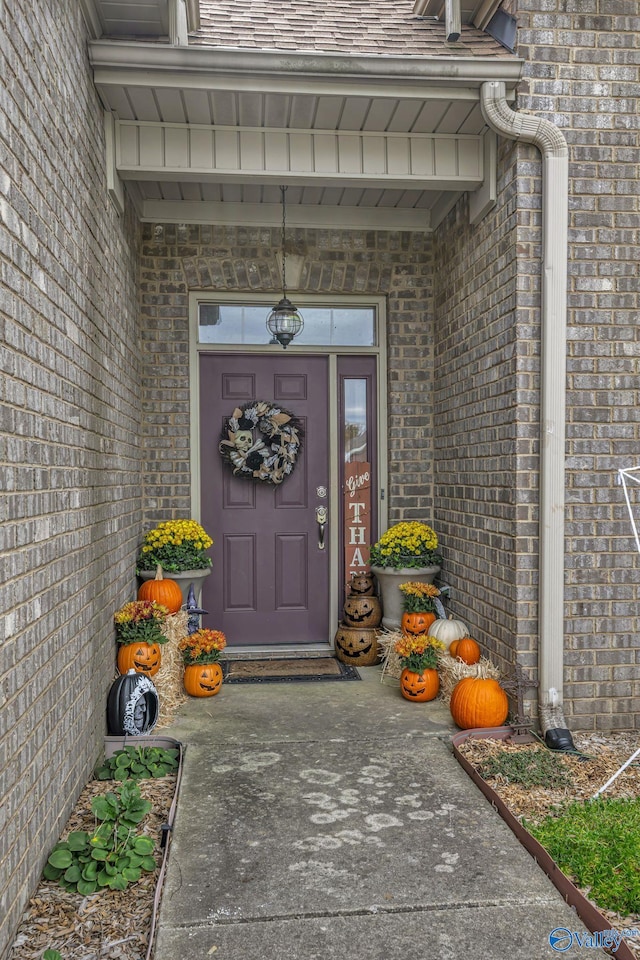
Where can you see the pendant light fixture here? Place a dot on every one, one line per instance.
(285, 320)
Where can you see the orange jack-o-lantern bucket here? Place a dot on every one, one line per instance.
(141, 657)
(202, 679)
(414, 624)
(419, 686)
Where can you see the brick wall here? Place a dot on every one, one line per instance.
(588, 82)
(69, 441)
(483, 488)
(176, 259)
(583, 73)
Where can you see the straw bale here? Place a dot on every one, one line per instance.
(391, 666)
(451, 671)
(168, 679)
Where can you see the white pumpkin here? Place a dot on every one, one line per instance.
(448, 630)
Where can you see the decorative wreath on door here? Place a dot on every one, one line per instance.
(261, 441)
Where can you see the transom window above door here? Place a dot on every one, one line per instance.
(236, 323)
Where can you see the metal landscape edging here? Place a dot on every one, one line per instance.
(111, 744)
(593, 920)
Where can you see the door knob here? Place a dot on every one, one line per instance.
(322, 515)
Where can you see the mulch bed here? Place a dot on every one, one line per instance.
(110, 925)
(606, 753)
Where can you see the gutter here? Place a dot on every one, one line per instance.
(555, 166)
(140, 60)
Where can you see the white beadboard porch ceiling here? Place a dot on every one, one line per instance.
(209, 135)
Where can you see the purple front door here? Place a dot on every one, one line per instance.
(270, 579)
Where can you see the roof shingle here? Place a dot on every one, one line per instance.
(382, 27)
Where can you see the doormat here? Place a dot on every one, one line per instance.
(287, 671)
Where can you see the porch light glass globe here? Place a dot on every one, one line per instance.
(285, 322)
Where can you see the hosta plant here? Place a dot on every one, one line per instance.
(112, 855)
(138, 763)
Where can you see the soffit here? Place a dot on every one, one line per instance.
(169, 94)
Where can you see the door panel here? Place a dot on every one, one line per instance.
(270, 580)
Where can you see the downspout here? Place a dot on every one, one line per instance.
(555, 176)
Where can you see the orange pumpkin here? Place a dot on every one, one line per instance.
(468, 650)
(453, 648)
(202, 679)
(478, 702)
(141, 657)
(419, 687)
(416, 623)
(162, 590)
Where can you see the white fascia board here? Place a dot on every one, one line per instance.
(156, 151)
(484, 12)
(484, 198)
(270, 215)
(91, 18)
(424, 91)
(193, 15)
(343, 181)
(145, 64)
(478, 14)
(445, 203)
(114, 183)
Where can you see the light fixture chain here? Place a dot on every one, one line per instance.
(284, 240)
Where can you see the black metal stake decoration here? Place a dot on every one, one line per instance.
(194, 611)
(521, 724)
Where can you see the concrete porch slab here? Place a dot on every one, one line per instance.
(331, 820)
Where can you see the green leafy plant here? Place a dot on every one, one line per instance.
(52, 955)
(530, 768)
(597, 844)
(138, 763)
(113, 855)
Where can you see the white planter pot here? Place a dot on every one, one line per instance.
(389, 580)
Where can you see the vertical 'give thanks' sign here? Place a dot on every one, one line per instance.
(357, 516)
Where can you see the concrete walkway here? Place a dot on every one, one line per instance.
(330, 821)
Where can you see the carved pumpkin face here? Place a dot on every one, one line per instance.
(356, 646)
(419, 687)
(417, 623)
(361, 585)
(203, 679)
(141, 657)
(362, 611)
